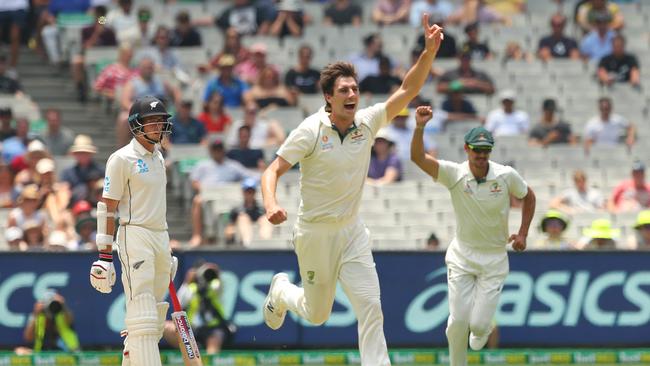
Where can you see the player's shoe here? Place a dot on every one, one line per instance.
(274, 313)
(477, 343)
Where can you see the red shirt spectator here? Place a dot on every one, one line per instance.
(633, 194)
(214, 116)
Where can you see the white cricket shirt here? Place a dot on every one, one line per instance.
(481, 209)
(137, 178)
(332, 171)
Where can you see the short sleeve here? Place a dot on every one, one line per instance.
(448, 173)
(298, 145)
(374, 117)
(633, 61)
(517, 186)
(115, 178)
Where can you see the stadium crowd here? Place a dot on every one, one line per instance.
(266, 60)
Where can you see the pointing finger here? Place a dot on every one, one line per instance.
(425, 21)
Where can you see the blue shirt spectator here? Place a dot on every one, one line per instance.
(439, 9)
(598, 43)
(231, 88)
(68, 6)
(187, 129)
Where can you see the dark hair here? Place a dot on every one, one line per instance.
(367, 40)
(100, 11)
(619, 37)
(53, 110)
(607, 100)
(383, 60)
(471, 26)
(183, 17)
(331, 73)
(244, 127)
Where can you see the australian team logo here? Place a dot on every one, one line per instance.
(495, 188)
(357, 136)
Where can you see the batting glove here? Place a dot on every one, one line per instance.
(102, 273)
(174, 268)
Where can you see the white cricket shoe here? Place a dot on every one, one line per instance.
(477, 343)
(274, 313)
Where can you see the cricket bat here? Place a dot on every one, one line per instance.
(186, 340)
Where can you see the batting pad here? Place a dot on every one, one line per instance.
(142, 324)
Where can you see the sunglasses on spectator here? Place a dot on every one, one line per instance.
(480, 149)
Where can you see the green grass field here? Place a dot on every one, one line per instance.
(410, 357)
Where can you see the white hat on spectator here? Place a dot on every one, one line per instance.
(290, 5)
(507, 94)
(384, 134)
(58, 238)
(45, 165)
(83, 143)
(13, 233)
(36, 145)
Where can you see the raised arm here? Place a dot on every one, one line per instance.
(424, 161)
(274, 213)
(417, 75)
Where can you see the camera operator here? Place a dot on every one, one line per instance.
(200, 296)
(50, 326)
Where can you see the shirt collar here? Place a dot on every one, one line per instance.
(491, 174)
(324, 118)
(137, 146)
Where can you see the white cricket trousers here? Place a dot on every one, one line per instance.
(475, 279)
(330, 252)
(146, 264)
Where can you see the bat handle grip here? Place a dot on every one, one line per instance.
(172, 294)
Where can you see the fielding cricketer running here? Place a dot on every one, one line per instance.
(331, 243)
(134, 185)
(477, 260)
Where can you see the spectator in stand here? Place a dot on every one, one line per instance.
(382, 83)
(506, 121)
(400, 133)
(473, 46)
(231, 47)
(147, 82)
(50, 32)
(184, 34)
(55, 196)
(6, 117)
(433, 243)
(342, 12)
(619, 66)
(468, 79)
(28, 210)
(116, 74)
(217, 171)
(514, 52)
(633, 194)
(598, 43)
(580, 198)
(388, 12)
(268, 91)
(250, 158)
(367, 62)
(57, 138)
(25, 165)
(226, 84)
(145, 33)
(448, 45)
(476, 11)
(557, 45)
(214, 116)
(550, 129)
(290, 20)
(8, 84)
(14, 238)
(14, 147)
(264, 133)
(244, 217)
(161, 53)
(124, 20)
(13, 17)
(250, 69)
(457, 107)
(8, 190)
(437, 10)
(608, 128)
(599, 236)
(587, 11)
(85, 170)
(187, 129)
(385, 165)
(553, 226)
(245, 17)
(97, 34)
(640, 240)
(302, 78)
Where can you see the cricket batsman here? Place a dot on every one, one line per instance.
(134, 186)
(477, 260)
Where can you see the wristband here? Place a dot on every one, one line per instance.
(106, 257)
(103, 241)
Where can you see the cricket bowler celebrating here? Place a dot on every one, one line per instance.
(135, 186)
(331, 243)
(477, 261)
